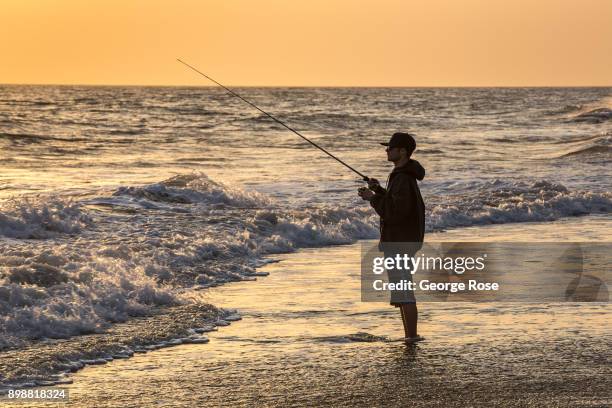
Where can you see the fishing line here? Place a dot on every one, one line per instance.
(364, 177)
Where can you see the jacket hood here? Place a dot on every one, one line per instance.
(413, 168)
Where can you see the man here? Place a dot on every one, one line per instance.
(402, 217)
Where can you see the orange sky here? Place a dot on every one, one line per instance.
(308, 42)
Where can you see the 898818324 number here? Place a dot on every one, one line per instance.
(51, 393)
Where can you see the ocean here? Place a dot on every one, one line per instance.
(116, 202)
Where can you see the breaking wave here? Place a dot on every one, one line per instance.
(87, 268)
(500, 202)
(192, 189)
(125, 264)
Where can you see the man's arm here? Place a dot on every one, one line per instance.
(395, 205)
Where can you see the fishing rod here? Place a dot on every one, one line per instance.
(364, 177)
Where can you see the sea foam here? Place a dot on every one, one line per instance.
(33, 218)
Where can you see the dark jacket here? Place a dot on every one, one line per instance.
(400, 205)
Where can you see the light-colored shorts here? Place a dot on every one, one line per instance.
(396, 276)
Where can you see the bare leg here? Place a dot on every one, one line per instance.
(403, 320)
(410, 316)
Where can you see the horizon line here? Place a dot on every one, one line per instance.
(302, 86)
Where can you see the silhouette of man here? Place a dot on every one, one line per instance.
(402, 217)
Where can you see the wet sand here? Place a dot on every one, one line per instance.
(47, 361)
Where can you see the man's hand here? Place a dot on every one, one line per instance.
(373, 184)
(365, 193)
